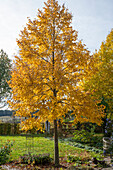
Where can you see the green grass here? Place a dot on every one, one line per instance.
(43, 145)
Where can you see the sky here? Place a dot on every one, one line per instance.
(93, 19)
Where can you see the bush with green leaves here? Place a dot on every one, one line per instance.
(83, 136)
(35, 159)
(89, 138)
(9, 128)
(5, 151)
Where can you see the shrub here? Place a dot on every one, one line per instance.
(35, 159)
(83, 136)
(89, 138)
(9, 128)
(5, 152)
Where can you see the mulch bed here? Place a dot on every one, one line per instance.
(15, 165)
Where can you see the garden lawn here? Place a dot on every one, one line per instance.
(43, 145)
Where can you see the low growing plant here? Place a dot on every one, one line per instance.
(35, 159)
(5, 151)
(72, 158)
(78, 159)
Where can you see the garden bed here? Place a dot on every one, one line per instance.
(90, 165)
(70, 156)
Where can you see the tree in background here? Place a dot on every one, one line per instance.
(102, 82)
(5, 68)
(48, 73)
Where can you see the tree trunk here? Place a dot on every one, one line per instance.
(56, 150)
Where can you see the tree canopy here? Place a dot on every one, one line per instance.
(5, 68)
(48, 72)
(102, 81)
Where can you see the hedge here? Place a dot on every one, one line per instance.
(9, 128)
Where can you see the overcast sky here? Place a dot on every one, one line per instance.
(93, 19)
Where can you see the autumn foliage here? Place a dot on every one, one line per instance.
(102, 81)
(49, 70)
